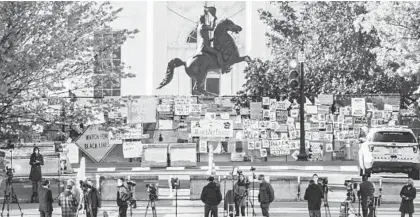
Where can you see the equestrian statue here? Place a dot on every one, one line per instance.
(222, 55)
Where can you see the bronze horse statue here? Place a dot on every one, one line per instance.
(198, 66)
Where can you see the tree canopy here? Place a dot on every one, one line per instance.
(43, 47)
(343, 55)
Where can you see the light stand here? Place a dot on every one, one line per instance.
(175, 182)
(253, 190)
(224, 195)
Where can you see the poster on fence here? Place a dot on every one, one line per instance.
(203, 146)
(142, 110)
(316, 151)
(132, 149)
(212, 128)
(358, 107)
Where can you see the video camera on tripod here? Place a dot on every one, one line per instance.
(131, 190)
(152, 190)
(9, 173)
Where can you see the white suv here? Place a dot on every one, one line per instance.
(389, 149)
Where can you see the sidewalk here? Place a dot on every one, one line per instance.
(195, 209)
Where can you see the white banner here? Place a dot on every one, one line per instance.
(132, 149)
(212, 128)
(73, 154)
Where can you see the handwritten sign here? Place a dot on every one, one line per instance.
(94, 142)
(141, 110)
(132, 149)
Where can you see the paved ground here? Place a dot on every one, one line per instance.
(195, 209)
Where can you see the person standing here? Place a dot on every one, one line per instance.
(314, 195)
(408, 194)
(75, 190)
(68, 203)
(36, 161)
(366, 192)
(240, 195)
(45, 200)
(265, 196)
(122, 197)
(211, 197)
(92, 200)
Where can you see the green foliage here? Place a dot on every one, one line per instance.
(340, 56)
(42, 46)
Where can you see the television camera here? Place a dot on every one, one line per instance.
(131, 188)
(351, 188)
(152, 190)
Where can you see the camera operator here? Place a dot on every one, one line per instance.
(366, 191)
(36, 161)
(92, 199)
(211, 197)
(314, 195)
(265, 196)
(241, 188)
(123, 197)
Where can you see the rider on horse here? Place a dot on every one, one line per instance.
(203, 38)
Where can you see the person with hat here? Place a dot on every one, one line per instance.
(68, 202)
(45, 200)
(211, 197)
(408, 194)
(266, 195)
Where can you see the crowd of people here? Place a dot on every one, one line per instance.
(211, 196)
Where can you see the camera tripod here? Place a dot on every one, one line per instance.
(10, 197)
(253, 198)
(326, 205)
(9, 192)
(248, 201)
(151, 204)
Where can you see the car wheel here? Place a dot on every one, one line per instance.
(415, 174)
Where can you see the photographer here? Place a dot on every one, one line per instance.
(241, 188)
(36, 161)
(366, 193)
(123, 197)
(211, 197)
(92, 199)
(265, 196)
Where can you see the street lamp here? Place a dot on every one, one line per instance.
(302, 156)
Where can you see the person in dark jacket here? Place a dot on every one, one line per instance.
(45, 200)
(36, 161)
(366, 193)
(265, 196)
(314, 195)
(123, 196)
(211, 197)
(408, 194)
(92, 200)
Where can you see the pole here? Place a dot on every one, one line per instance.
(302, 153)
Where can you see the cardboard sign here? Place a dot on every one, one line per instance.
(256, 110)
(326, 99)
(132, 149)
(94, 142)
